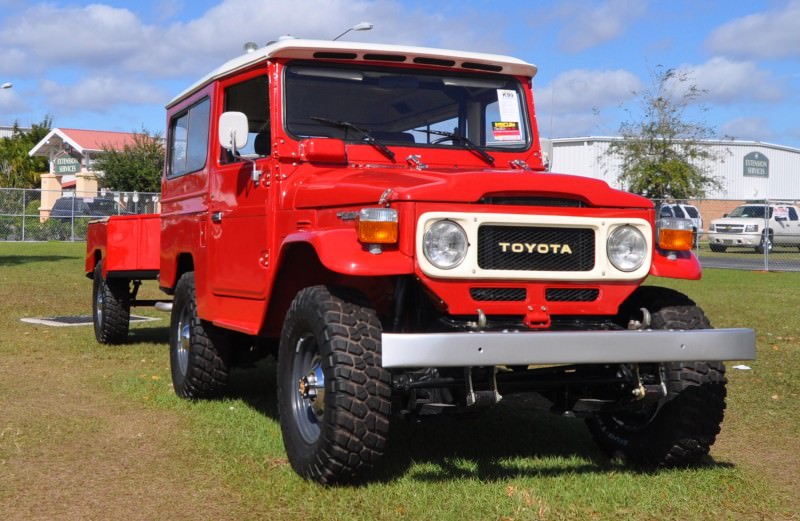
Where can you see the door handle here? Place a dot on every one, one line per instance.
(216, 217)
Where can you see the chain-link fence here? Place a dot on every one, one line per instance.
(748, 235)
(36, 215)
(751, 235)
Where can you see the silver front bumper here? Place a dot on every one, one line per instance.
(407, 350)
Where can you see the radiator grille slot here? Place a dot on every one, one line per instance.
(498, 294)
(571, 294)
(539, 248)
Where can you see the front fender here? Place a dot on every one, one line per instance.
(676, 265)
(340, 252)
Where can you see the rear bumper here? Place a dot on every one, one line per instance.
(409, 350)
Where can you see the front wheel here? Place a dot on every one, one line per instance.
(716, 248)
(111, 308)
(765, 246)
(680, 429)
(334, 397)
(198, 351)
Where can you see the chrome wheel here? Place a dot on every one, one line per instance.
(308, 396)
(184, 341)
(99, 301)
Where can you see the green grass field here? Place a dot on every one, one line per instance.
(95, 432)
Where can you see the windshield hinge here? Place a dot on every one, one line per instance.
(416, 161)
(384, 200)
(521, 164)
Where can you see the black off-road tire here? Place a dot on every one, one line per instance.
(111, 308)
(199, 352)
(717, 248)
(334, 397)
(680, 429)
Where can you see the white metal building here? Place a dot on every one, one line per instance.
(749, 170)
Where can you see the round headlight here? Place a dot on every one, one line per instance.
(627, 248)
(445, 244)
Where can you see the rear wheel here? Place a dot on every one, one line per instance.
(199, 351)
(333, 394)
(111, 308)
(680, 429)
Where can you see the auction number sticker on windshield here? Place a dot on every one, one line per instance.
(506, 131)
(508, 128)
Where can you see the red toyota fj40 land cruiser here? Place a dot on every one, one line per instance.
(382, 215)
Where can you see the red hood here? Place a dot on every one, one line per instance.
(337, 187)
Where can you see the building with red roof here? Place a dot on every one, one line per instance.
(71, 152)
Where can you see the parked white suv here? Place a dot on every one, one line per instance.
(683, 211)
(756, 225)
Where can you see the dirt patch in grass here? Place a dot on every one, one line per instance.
(70, 451)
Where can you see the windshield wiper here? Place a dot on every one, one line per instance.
(468, 144)
(346, 125)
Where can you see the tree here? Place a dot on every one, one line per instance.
(662, 154)
(17, 168)
(135, 168)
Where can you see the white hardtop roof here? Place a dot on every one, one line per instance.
(307, 49)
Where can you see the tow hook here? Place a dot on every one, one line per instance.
(644, 323)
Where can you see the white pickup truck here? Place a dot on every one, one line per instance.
(756, 225)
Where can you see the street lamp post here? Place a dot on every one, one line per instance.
(363, 26)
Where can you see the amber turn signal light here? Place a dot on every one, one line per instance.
(377, 226)
(675, 235)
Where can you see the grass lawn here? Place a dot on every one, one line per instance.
(95, 432)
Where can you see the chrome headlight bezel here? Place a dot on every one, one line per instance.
(626, 248)
(445, 244)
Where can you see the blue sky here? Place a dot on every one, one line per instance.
(113, 65)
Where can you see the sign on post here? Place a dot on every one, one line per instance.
(66, 165)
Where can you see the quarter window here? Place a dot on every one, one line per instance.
(188, 145)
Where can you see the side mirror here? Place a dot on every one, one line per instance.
(724, 215)
(233, 130)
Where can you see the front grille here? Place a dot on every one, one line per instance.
(539, 248)
(571, 295)
(730, 228)
(498, 294)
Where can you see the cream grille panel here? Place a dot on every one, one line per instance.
(603, 270)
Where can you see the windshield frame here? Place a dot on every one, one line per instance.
(482, 124)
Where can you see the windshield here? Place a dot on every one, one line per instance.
(750, 211)
(405, 107)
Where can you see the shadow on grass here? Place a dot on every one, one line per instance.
(514, 439)
(155, 335)
(17, 260)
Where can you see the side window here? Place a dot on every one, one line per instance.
(188, 142)
(252, 98)
(792, 214)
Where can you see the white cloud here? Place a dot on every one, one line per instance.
(587, 24)
(101, 38)
(100, 94)
(582, 90)
(93, 36)
(771, 34)
(730, 81)
(568, 125)
(10, 102)
(749, 129)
